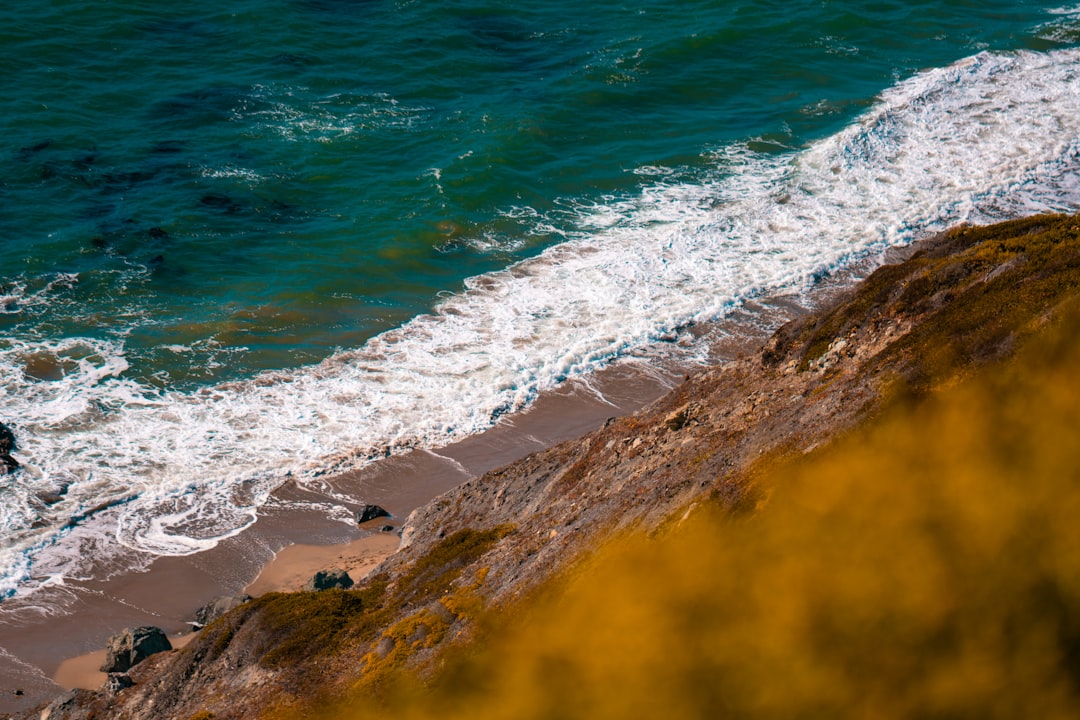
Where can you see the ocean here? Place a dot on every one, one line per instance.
(257, 241)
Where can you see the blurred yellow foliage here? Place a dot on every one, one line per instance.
(927, 565)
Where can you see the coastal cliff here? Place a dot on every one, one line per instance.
(963, 302)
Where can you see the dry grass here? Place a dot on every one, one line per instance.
(927, 565)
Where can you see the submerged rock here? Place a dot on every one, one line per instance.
(328, 579)
(7, 444)
(53, 496)
(131, 646)
(216, 608)
(7, 439)
(367, 511)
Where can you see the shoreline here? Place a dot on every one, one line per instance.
(169, 592)
(289, 538)
(289, 569)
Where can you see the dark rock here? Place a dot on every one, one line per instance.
(7, 444)
(7, 439)
(131, 646)
(213, 610)
(117, 682)
(388, 528)
(328, 579)
(679, 419)
(368, 511)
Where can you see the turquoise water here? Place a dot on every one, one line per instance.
(294, 177)
(289, 237)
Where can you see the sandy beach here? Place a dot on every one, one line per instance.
(294, 538)
(296, 564)
(286, 572)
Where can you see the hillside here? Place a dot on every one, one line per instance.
(781, 464)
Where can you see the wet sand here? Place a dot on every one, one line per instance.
(33, 648)
(295, 565)
(286, 572)
(43, 655)
(84, 671)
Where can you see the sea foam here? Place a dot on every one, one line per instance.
(146, 471)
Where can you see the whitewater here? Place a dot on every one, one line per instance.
(142, 470)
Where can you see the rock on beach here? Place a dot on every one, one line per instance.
(367, 512)
(328, 579)
(131, 646)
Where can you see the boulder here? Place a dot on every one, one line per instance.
(368, 511)
(327, 579)
(7, 444)
(116, 682)
(131, 646)
(216, 608)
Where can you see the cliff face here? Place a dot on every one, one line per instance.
(965, 298)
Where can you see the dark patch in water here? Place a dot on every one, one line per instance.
(96, 211)
(24, 153)
(181, 32)
(199, 107)
(82, 517)
(336, 7)
(292, 59)
(509, 39)
(55, 169)
(119, 181)
(167, 147)
(221, 202)
(85, 163)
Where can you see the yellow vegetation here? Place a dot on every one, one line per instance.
(925, 566)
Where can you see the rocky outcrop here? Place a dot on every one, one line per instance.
(117, 682)
(131, 646)
(505, 533)
(216, 608)
(367, 512)
(7, 445)
(72, 705)
(328, 580)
